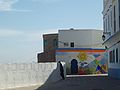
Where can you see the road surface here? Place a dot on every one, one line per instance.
(80, 83)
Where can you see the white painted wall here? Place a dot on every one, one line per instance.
(82, 38)
(21, 75)
(108, 8)
(112, 39)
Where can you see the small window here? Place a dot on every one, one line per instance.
(72, 44)
(45, 43)
(66, 44)
(111, 18)
(111, 56)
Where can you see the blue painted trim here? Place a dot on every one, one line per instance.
(79, 49)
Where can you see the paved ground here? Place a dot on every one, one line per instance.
(81, 83)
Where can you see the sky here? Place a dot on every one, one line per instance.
(23, 22)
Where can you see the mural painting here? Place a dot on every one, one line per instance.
(83, 61)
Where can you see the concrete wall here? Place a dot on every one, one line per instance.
(21, 75)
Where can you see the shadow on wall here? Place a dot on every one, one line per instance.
(54, 76)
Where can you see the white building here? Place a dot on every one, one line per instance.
(82, 50)
(111, 35)
(80, 38)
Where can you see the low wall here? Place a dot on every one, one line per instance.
(114, 73)
(22, 75)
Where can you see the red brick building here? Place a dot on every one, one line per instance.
(50, 43)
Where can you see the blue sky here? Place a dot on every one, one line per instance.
(22, 23)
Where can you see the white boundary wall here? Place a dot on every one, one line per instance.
(22, 75)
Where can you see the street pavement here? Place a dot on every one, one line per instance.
(80, 83)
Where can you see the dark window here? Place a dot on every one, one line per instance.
(119, 12)
(108, 23)
(55, 43)
(117, 55)
(106, 26)
(114, 19)
(72, 44)
(119, 22)
(111, 56)
(111, 19)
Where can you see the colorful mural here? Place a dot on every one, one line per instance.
(83, 61)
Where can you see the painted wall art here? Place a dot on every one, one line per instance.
(83, 61)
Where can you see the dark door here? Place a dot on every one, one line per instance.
(74, 66)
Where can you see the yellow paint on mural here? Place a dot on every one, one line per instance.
(82, 56)
(104, 67)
